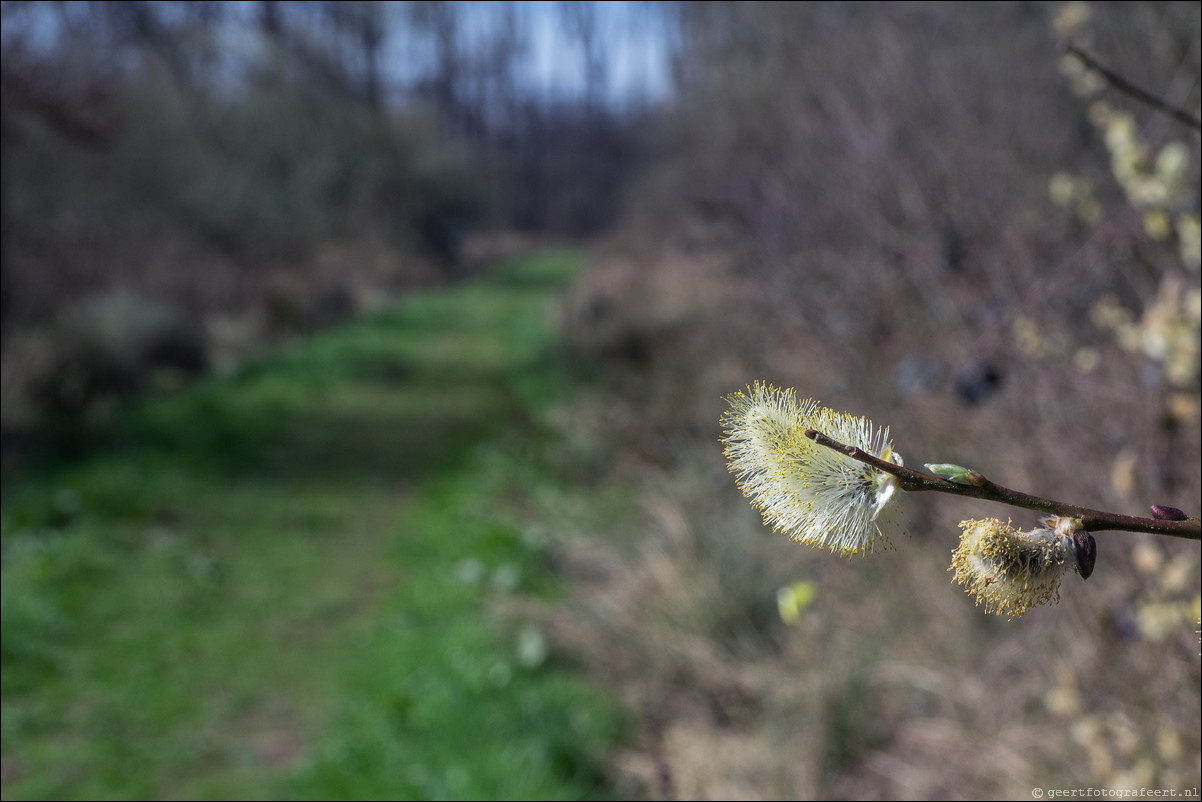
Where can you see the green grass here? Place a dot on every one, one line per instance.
(278, 584)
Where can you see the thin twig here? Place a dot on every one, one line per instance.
(980, 487)
(1126, 87)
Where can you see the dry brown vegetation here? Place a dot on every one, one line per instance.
(853, 200)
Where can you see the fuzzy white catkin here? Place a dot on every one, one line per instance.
(812, 493)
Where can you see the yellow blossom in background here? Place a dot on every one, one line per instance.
(792, 599)
(1172, 169)
(1070, 18)
(1159, 181)
(1089, 211)
(1189, 235)
(1099, 113)
(1062, 189)
(813, 494)
(1119, 135)
(1157, 224)
(1069, 191)
(1086, 360)
(1029, 337)
(1168, 332)
(1081, 79)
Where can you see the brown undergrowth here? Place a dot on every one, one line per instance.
(890, 684)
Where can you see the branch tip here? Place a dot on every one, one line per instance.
(1121, 84)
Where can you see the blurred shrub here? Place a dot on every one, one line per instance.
(115, 345)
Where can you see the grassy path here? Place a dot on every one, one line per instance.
(278, 585)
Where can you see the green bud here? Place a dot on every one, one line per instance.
(954, 473)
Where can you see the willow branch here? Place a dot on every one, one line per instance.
(979, 487)
(1127, 88)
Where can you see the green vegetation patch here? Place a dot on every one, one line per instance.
(278, 584)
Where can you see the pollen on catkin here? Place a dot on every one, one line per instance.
(813, 494)
(1010, 571)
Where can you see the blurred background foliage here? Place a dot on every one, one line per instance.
(926, 213)
(258, 169)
